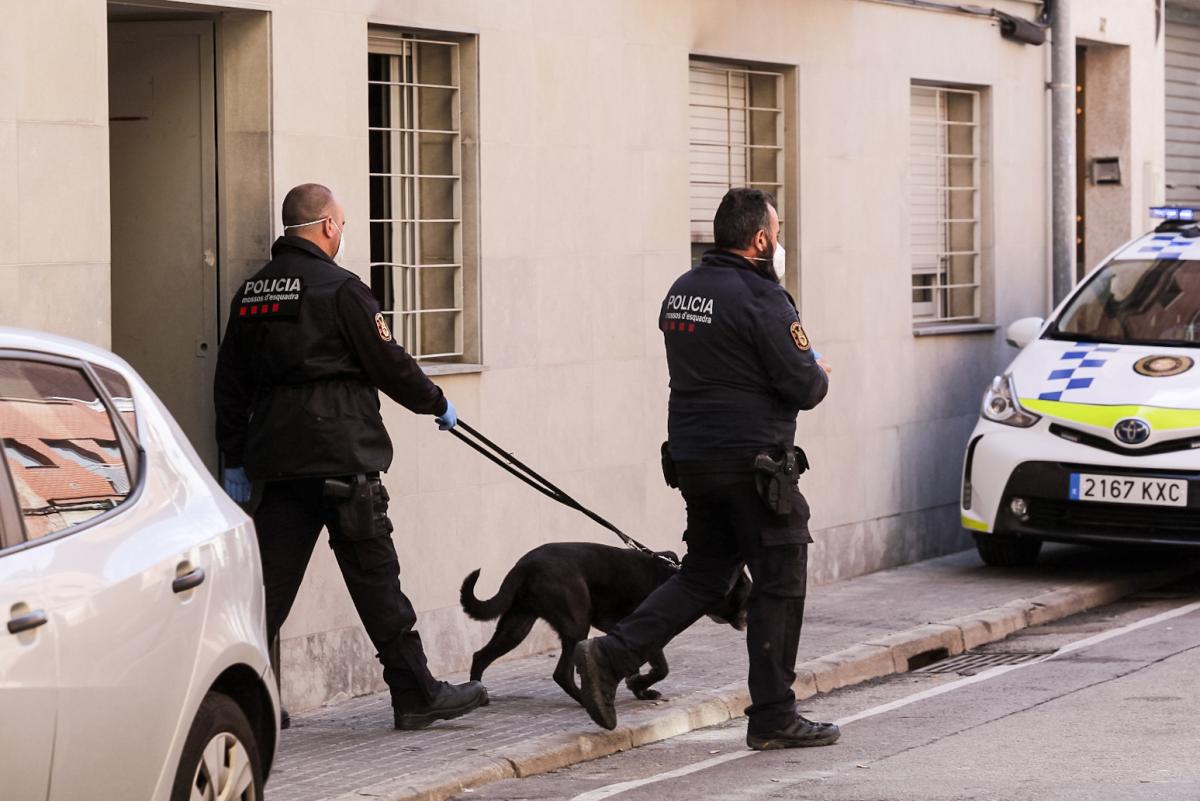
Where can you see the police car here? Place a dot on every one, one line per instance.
(1092, 434)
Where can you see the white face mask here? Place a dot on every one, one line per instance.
(341, 230)
(778, 261)
(341, 243)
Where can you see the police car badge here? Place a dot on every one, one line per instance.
(1163, 366)
(799, 337)
(381, 326)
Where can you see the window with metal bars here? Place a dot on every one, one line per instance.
(423, 266)
(736, 138)
(944, 193)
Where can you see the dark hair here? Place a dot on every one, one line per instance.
(742, 214)
(305, 203)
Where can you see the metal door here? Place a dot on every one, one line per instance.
(164, 232)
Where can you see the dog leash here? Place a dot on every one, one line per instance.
(506, 460)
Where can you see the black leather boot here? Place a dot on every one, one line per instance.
(597, 683)
(451, 701)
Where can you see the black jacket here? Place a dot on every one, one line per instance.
(741, 365)
(304, 351)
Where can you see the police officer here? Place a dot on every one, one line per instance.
(298, 373)
(741, 369)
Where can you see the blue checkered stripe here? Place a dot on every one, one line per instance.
(1167, 246)
(1076, 365)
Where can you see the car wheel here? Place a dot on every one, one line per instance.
(1005, 550)
(220, 756)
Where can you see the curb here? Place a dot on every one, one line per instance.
(883, 656)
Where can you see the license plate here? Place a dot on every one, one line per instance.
(1129, 489)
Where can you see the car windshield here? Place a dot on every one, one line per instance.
(1136, 302)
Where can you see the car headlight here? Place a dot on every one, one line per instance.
(1000, 404)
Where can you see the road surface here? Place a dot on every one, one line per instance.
(1099, 706)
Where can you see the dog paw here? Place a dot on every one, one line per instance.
(647, 695)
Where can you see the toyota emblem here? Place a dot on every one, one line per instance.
(1132, 431)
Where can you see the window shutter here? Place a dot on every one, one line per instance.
(735, 136)
(944, 208)
(717, 135)
(927, 174)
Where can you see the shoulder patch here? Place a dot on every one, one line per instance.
(381, 326)
(277, 298)
(799, 337)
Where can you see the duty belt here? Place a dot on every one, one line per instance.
(695, 467)
(778, 460)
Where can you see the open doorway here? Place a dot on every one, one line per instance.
(188, 106)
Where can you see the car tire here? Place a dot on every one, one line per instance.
(221, 750)
(1006, 550)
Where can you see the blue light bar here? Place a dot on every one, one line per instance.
(1184, 213)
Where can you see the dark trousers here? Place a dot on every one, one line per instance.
(728, 524)
(289, 519)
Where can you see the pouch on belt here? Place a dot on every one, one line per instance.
(670, 474)
(361, 506)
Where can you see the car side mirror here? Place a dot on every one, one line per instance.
(1024, 331)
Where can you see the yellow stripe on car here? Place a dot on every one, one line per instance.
(973, 524)
(1159, 418)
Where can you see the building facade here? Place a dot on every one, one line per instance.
(523, 179)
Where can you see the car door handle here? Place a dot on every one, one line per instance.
(188, 581)
(27, 621)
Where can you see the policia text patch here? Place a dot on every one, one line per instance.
(273, 298)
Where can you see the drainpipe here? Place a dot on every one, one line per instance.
(1062, 134)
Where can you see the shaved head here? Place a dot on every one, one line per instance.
(307, 202)
(312, 212)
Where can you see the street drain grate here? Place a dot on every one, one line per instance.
(969, 664)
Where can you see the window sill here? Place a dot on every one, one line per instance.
(452, 369)
(945, 329)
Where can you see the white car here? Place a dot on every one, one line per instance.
(1093, 433)
(133, 657)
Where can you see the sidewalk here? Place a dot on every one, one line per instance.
(854, 630)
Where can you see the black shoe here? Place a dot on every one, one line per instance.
(597, 683)
(452, 701)
(285, 720)
(800, 733)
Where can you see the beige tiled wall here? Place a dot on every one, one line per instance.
(584, 225)
(53, 168)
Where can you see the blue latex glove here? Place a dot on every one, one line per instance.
(448, 418)
(237, 486)
(816, 356)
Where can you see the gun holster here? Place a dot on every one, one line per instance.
(776, 478)
(361, 506)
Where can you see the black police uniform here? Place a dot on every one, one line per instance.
(741, 369)
(297, 406)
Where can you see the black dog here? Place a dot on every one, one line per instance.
(574, 586)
